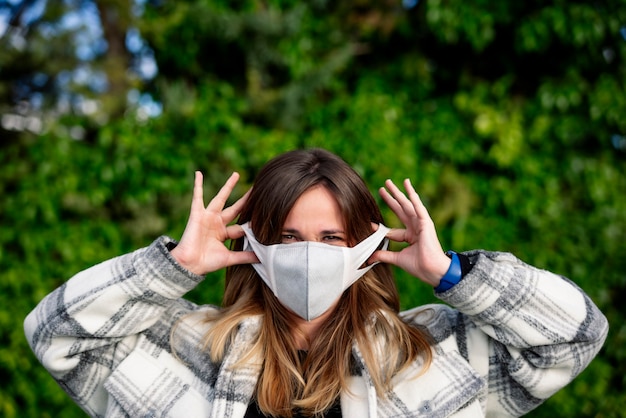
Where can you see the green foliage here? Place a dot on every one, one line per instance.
(508, 118)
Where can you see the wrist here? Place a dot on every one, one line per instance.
(184, 261)
(453, 275)
(436, 269)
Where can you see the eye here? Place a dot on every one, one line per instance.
(333, 239)
(287, 238)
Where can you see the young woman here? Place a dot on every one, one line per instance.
(310, 322)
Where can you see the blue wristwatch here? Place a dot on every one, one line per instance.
(453, 275)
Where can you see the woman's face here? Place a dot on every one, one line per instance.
(315, 217)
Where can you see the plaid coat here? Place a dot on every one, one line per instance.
(515, 336)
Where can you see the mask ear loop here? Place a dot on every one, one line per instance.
(250, 243)
(364, 251)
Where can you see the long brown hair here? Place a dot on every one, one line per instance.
(367, 313)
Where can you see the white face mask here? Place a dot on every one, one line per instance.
(308, 277)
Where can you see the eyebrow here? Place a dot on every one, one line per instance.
(324, 232)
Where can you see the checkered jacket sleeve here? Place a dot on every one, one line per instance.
(82, 330)
(528, 331)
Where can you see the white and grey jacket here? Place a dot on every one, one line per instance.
(515, 335)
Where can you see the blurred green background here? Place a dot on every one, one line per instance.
(509, 117)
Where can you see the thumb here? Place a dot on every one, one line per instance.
(242, 257)
(383, 256)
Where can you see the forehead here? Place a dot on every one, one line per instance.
(315, 207)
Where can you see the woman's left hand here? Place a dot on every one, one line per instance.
(423, 258)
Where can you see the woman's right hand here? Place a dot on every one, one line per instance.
(201, 249)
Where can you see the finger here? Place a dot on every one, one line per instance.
(219, 201)
(389, 200)
(242, 257)
(400, 197)
(197, 200)
(394, 234)
(415, 199)
(384, 256)
(397, 235)
(394, 205)
(234, 232)
(230, 213)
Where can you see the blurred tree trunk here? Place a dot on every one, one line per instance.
(115, 18)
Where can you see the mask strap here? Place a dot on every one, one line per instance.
(364, 249)
(250, 243)
(249, 240)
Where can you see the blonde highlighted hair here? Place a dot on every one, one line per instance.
(367, 314)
